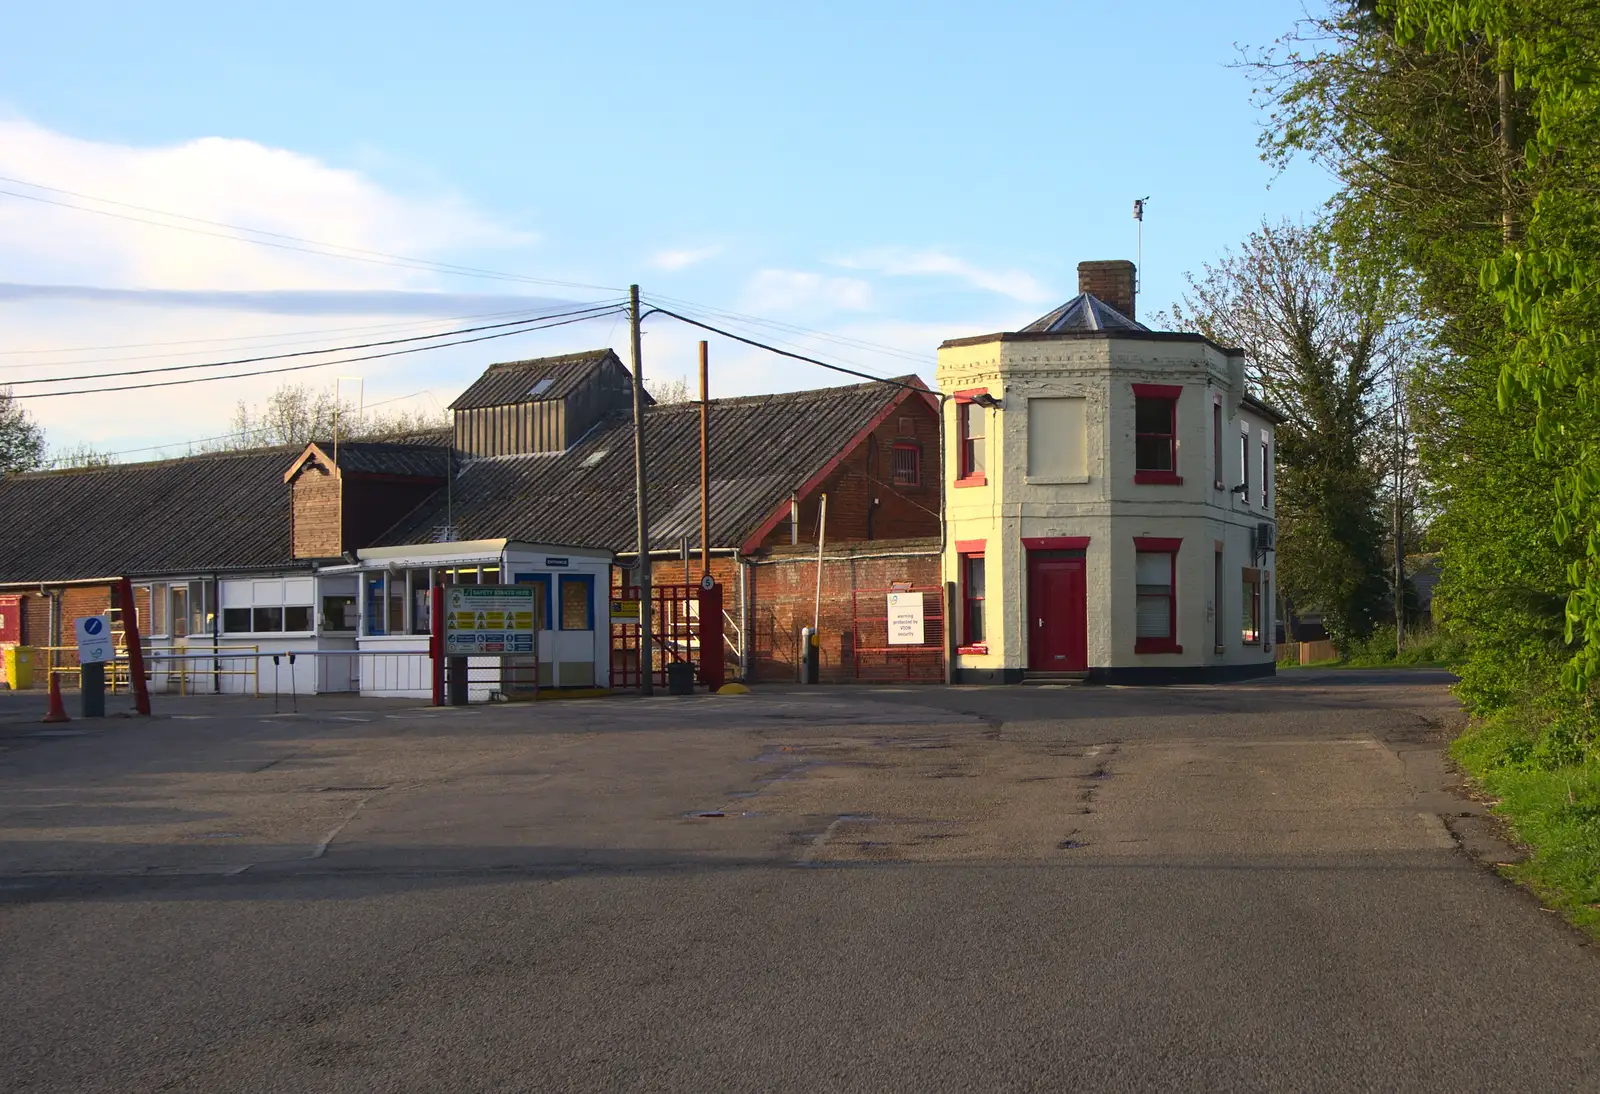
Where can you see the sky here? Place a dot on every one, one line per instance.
(856, 181)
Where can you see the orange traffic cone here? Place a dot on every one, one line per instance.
(57, 712)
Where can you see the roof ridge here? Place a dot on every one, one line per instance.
(137, 465)
(557, 358)
(900, 382)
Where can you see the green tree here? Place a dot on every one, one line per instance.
(1546, 275)
(21, 438)
(1323, 344)
(1420, 137)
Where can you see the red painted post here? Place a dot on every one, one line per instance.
(436, 643)
(713, 662)
(130, 635)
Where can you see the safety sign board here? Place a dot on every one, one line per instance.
(94, 640)
(488, 619)
(625, 611)
(905, 619)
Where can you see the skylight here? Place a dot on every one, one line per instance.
(539, 388)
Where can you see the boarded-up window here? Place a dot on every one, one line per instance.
(1057, 440)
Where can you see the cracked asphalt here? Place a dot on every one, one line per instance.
(1262, 886)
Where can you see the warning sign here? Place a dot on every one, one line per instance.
(488, 619)
(905, 619)
(625, 611)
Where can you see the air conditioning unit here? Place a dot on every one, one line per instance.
(1265, 533)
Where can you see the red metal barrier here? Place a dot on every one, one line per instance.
(684, 627)
(130, 633)
(872, 656)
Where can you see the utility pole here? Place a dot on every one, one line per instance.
(705, 461)
(646, 650)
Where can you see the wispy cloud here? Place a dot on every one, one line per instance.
(680, 258)
(906, 262)
(799, 290)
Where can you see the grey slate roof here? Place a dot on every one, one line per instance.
(762, 448)
(511, 381)
(1083, 312)
(187, 516)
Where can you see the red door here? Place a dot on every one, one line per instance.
(1058, 618)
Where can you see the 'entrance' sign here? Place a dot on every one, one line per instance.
(905, 619)
(485, 619)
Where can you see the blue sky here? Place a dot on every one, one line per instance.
(892, 173)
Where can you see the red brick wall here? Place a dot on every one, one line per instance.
(866, 475)
(783, 593)
(76, 603)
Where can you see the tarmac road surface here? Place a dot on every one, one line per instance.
(1250, 887)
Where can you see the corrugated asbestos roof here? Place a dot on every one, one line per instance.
(1083, 312)
(762, 448)
(392, 458)
(513, 381)
(194, 515)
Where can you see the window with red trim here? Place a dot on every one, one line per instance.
(972, 597)
(907, 465)
(1250, 621)
(1156, 610)
(973, 448)
(1156, 433)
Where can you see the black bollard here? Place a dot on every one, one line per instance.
(93, 689)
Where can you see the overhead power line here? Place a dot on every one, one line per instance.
(787, 353)
(837, 339)
(282, 338)
(598, 309)
(316, 247)
(314, 364)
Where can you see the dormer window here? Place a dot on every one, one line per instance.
(540, 387)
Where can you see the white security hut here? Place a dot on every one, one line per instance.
(380, 608)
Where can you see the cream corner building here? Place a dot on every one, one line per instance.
(1108, 499)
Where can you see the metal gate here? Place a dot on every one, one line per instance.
(685, 625)
(874, 659)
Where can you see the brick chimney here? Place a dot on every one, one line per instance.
(1111, 281)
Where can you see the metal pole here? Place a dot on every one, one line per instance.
(822, 535)
(646, 653)
(705, 461)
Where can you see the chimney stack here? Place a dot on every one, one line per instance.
(1110, 281)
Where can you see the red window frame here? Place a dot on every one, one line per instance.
(1160, 545)
(915, 452)
(1250, 626)
(1169, 394)
(969, 644)
(966, 473)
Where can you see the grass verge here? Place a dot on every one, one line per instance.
(1543, 769)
